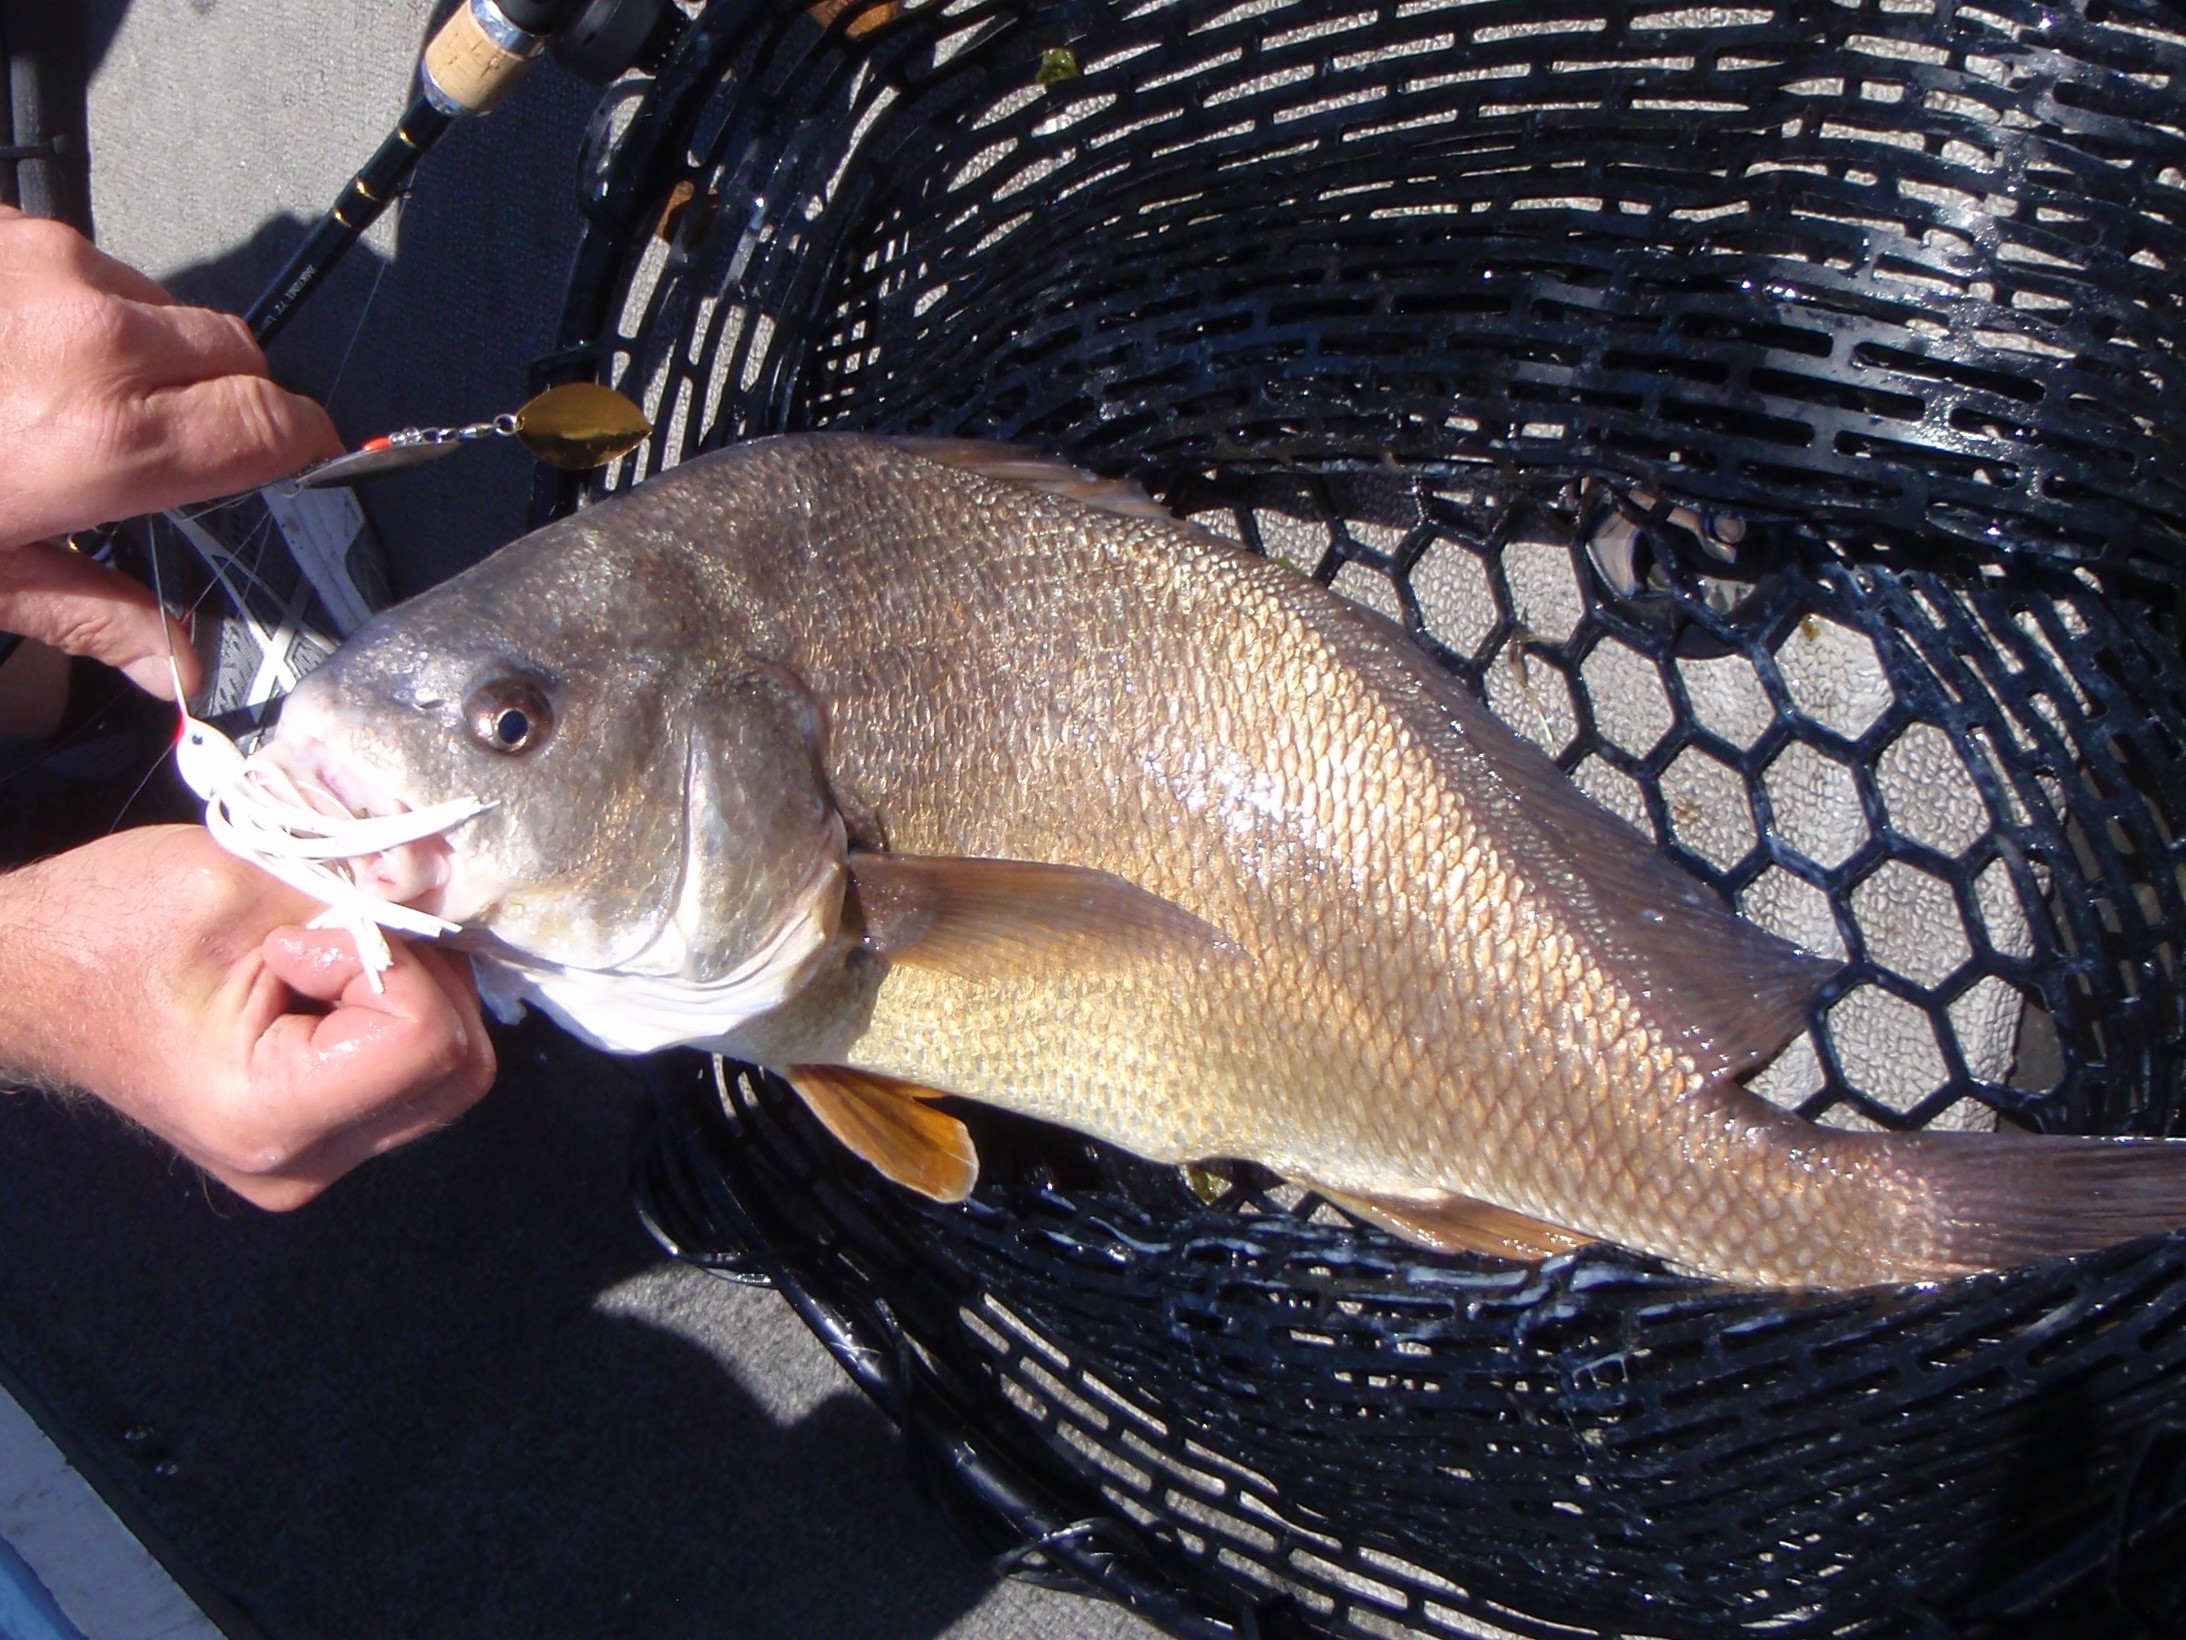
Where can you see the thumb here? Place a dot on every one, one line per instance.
(82, 607)
(319, 963)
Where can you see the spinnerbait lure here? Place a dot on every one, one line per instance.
(257, 813)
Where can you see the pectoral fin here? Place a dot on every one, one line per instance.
(994, 920)
(1460, 1224)
(882, 1120)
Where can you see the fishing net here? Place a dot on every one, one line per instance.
(1769, 409)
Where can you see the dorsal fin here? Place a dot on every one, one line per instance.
(1018, 464)
(1732, 992)
(1738, 992)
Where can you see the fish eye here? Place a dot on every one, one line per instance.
(509, 716)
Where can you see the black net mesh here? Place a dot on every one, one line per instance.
(1245, 1420)
(1772, 411)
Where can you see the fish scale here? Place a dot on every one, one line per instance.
(1429, 974)
(1459, 1065)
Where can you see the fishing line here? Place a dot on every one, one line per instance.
(356, 332)
(135, 792)
(206, 509)
(89, 718)
(219, 557)
(159, 596)
(189, 613)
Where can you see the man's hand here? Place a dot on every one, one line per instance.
(115, 400)
(156, 971)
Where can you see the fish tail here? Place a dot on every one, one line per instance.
(1993, 1201)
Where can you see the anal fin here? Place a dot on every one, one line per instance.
(882, 1119)
(1460, 1224)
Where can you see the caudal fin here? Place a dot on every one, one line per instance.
(2002, 1200)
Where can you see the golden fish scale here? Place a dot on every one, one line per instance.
(1008, 676)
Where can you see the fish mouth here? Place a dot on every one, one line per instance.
(416, 874)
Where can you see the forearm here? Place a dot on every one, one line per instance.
(49, 987)
(114, 957)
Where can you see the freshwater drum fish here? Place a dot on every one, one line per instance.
(913, 768)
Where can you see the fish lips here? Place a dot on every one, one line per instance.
(418, 874)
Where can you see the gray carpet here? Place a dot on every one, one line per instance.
(462, 1395)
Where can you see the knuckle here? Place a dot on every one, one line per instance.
(437, 1121)
(81, 629)
(259, 424)
(250, 1153)
(101, 324)
(248, 434)
(44, 238)
(94, 625)
(277, 1195)
(470, 1084)
(119, 428)
(444, 1055)
(255, 405)
(218, 888)
(239, 333)
(240, 1138)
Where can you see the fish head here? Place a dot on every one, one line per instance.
(656, 800)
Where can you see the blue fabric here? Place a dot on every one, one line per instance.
(27, 1612)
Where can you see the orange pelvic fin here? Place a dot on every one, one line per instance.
(883, 1120)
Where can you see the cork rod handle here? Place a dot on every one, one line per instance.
(476, 58)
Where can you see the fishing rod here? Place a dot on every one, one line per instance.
(472, 62)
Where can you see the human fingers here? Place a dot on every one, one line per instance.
(327, 1094)
(156, 345)
(309, 1173)
(451, 971)
(83, 607)
(318, 963)
(162, 928)
(183, 443)
(372, 1051)
(32, 240)
(322, 964)
(115, 399)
